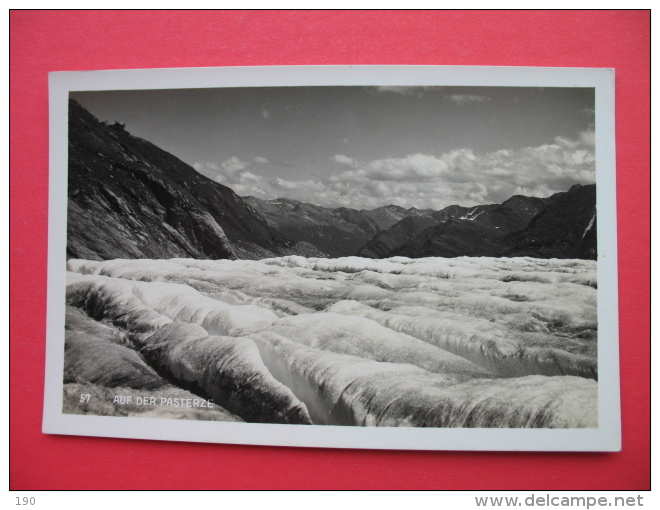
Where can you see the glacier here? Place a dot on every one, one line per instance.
(431, 342)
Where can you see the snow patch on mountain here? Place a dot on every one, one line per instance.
(591, 224)
(471, 215)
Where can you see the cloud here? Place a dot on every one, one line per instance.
(241, 176)
(412, 168)
(207, 168)
(588, 138)
(233, 166)
(344, 160)
(406, 90)
(228, 169)
(464, 99)
(426, 180)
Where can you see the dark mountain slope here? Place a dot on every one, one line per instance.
(406, 230)
(471, 231)
(130, 199)
(386, 216)
(337, 232)
(564, 229)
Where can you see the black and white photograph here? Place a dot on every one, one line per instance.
(426, 260)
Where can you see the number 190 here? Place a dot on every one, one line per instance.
(25, 501)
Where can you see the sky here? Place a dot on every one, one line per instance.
(365, 147)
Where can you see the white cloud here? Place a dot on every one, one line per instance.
(588, 138)
(344, 160)
(228, 169)
(239, 176)
(463, 99)
(415, 167)
(425, 180)
(405, 90)
(205, 166)
(233, 166)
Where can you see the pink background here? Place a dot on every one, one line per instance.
(44, 41)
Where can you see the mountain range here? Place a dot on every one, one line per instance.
(336, 232)
(128, 198)
(560, 226)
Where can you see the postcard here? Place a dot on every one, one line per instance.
(387, 257)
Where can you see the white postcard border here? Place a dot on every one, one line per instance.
(605, 438)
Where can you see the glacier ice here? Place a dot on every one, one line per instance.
(226, 369)
(462, 342)
(348, 390)
(94, 354)
(99, 363)
(365, 338)
(487, 344)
